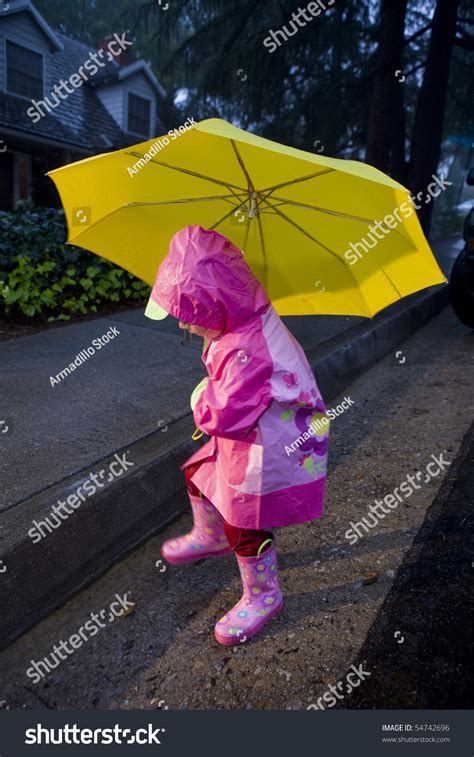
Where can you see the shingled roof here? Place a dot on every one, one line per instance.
(80, 121)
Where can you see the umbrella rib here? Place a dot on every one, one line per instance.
(293, 223)
(250, 188)
(227, 185)
(296, 181)
(333, 213)
(391, 282)
(253, 190)
(231, 212)
(226, 198)
(247, 232)
(262, 243)
(283, 201)
(247, 227)
(161, 202)
(243, 167)
(303, 231)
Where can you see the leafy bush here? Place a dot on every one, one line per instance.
(42, 276)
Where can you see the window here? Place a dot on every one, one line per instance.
(24, 71)
(139, 111)
(21, 177)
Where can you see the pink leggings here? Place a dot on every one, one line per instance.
(244, 541)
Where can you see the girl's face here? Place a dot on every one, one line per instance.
(206, 333)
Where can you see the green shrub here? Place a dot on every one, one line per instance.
(41, 276)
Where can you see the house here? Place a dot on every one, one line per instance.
(60, 101)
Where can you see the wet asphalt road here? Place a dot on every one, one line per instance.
(409, 578)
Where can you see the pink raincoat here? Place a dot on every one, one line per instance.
(265, 464)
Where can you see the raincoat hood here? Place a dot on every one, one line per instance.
(205, 281)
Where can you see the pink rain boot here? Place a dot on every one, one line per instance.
(206, 538)
(261, 600)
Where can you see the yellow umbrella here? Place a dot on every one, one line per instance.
(324, 236)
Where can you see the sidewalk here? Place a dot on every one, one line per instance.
(131, 395)
(118, 395)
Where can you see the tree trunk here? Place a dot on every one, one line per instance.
(398, 164)
(429, 118)
(388, 61)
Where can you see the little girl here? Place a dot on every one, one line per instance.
(265, 463)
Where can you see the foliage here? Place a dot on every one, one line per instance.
(42, 277)
(314, 90)
(88, 21)
(316, 86)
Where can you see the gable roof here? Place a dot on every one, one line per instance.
(83, 112)
(82, 120)
(114, 72)
(15, 6)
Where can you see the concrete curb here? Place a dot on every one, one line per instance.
(39, 577)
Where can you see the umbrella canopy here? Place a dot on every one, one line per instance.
(323, 236)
